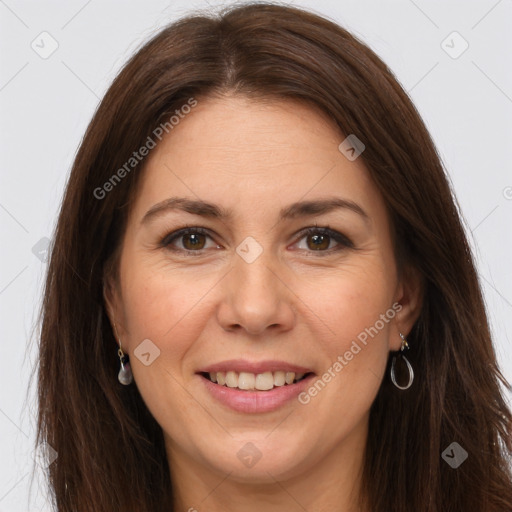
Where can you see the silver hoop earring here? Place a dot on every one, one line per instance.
(400, 355)
(125, 375)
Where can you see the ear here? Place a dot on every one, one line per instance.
(112, 300)
(409, 295)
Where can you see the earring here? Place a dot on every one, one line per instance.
(125, 375)
(400, 355)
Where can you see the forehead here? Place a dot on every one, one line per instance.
(248, 155)
(260, 134)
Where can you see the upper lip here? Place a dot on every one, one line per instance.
(243, 365)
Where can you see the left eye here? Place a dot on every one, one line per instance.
(321, 239)
(317, 240)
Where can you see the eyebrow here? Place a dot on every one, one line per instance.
(293, 211)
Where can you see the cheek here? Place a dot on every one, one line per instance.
(166, 308)
(355, 355)
(169, 306)
(351, 300)
(159, 303)
(174, 304)
(356, 306)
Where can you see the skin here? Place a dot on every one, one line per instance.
(292, 303)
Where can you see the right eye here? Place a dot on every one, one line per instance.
(192, 240)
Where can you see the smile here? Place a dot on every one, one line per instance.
(251, 381)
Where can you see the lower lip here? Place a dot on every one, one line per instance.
(256, 401)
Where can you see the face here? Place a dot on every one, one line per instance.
(254, 285)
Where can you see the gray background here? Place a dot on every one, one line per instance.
(46, 104)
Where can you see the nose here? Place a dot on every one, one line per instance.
(256, 297)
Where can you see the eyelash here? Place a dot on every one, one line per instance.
(192, 230)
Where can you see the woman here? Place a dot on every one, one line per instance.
(260, 294)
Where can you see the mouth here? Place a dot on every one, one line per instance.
(245, 381)
(255, 388)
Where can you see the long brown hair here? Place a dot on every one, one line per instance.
(111, 454)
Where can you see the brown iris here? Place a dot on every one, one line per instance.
(195, 242)
(320, 241)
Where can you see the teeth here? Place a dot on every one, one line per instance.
(279, 379)
(248, 381)
(231, 380)
(264, 381)
(289, 377)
